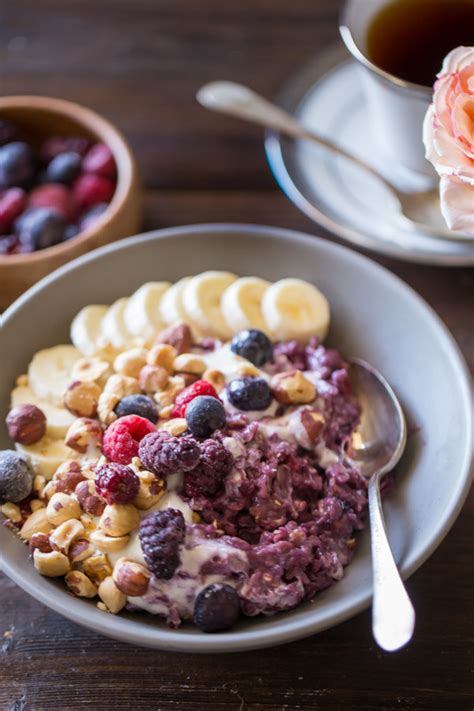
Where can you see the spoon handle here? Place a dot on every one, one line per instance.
(238, 100)
(393, 616)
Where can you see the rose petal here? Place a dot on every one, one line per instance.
(463, 123)
(450, 159)
(457, 204)
(456, 60)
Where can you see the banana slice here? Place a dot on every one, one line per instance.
(46, 455)
(142, 312)
(49, 373)
(241, 304)
(293, 308)
(58, 419)
(202, 302)
(171, 304)
(113, 329)
(85, 328)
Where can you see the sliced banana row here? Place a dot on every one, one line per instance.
(214, 303)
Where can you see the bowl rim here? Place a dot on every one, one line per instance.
(105, 132)
(285, 630)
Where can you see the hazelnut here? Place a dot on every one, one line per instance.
(82, 398)
(119, 519)
(40, 541)
(39, 482)
(91, 370)
(108, 544)
(167, 396)
(26, 424)
(62, 536)
(121, 385)
(163, 355)
(36, 504)
(150, 492)
(189, 378)
(97, 567)
(49, 490)
(176, 426)
(153, 378)
(83, 432)
(179, 336)
(292, 388)
(37, 522)
(215, 377)
(306, 426)
(62, 507)
(80, 549)
(89, 499)
(131, 578)
(12, 512)
(67, 476)
(130, 362)
(52, 564)
(111, 595)
(189, 363)
(166, 412)
(80, 585)
(106, 407)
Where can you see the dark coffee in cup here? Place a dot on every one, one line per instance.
(410, 38)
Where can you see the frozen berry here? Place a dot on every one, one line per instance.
(56, 196)
(137, 405)
(100, 161)
(215, 463)
(55, 145)
(253, 345)
(8, 131)
(70, 232)
(40, 227)
(216, 608)
(249, 393)
(90, 216)
(122, 438)
(161, 535)
(7, 244)
(16, 478)
(90, 189)
(205, 415)
(17, 165)
(12, 204)
(116, 483)
(64, 168)
(200, 387)
(26, 424)
(164, 454)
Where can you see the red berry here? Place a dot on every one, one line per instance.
(200, 387)
(90, 189)
(12, 204)
(122, 437)
(116, 483)
(56, 196)
(60, 144)
(100, 161)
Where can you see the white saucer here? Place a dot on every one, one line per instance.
(327, 96)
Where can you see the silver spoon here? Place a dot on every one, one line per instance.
(420, 211)
(377, 445)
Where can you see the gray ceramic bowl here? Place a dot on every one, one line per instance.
(375, 316)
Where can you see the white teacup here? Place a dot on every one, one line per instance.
(396, 107)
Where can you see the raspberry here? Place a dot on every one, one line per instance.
(122, 438)
(100, 161)
(90, 189)
(116, 483)
(164, 454)
(161, 534)
(12, 203)
(215, 463)
(56, 196)
(200, 387)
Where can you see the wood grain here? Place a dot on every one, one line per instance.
(140, 63)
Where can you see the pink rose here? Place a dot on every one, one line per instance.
(448, 135)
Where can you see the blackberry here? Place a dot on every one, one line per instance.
(216, 462)
(116, 483)
(249, 393)
(217, 607)
(16, 478)
(164, 454)
(137, 405)
(161, 534)
(205, 415)
(253, 345)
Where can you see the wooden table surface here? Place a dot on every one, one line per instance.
(140, 63)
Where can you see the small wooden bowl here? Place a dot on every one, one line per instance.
(40, 117)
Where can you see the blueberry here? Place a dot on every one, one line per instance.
(16, 478)
(40, 227)
(7, 243)
(204, 415)
(70, 232)
(253, 345)
(64, 168)
(249, 393)
(93, 214)
(137, 405)
(17, 165)
(216, 608)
